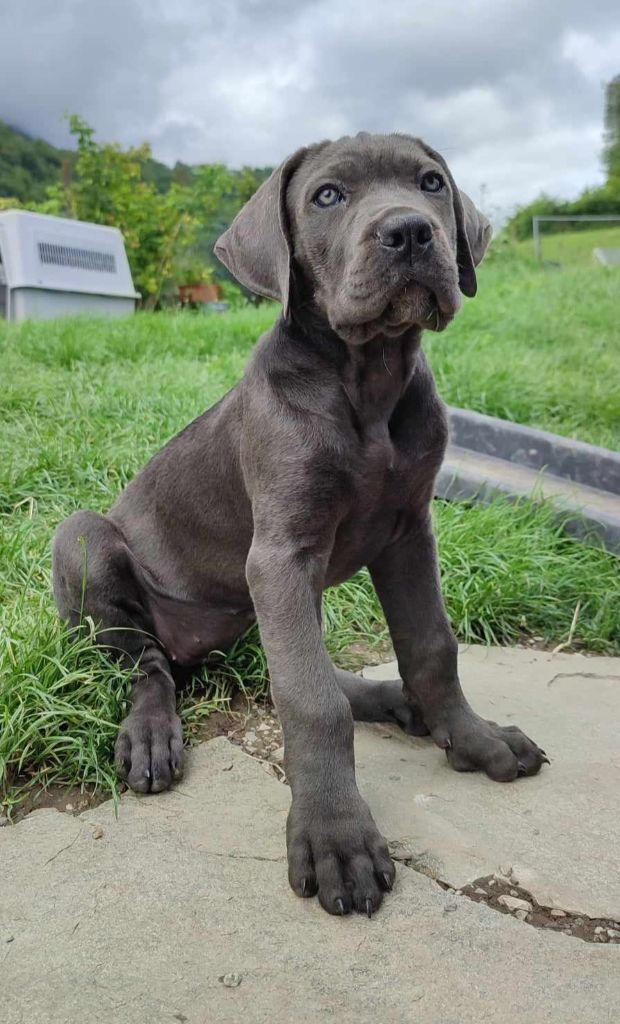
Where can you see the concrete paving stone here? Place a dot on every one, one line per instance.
(180, 911)
(560, 830)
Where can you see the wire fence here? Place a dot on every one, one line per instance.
(581, 218)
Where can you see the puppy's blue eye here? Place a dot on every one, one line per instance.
(328, 195)
(431, 182)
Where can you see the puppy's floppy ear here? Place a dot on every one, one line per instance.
(256, 248)
(478, 233)
(473, 230)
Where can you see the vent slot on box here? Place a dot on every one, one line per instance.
(82, 259)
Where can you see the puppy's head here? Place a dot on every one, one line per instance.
(372, 227)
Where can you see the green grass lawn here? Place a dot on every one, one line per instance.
(83, 404)
(537, 346)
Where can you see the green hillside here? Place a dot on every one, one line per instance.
(28, 166)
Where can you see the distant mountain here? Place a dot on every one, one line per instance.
(28, 166)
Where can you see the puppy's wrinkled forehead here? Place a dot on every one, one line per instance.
(359, 162)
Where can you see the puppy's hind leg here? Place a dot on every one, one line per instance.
(380, 701)
(92, 575)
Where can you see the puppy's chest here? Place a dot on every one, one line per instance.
(386, 484)
(385, 475)
(393, 455)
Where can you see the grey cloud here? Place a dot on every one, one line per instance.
(490, 82)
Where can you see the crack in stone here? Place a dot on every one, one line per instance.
(582, 675)
(245, 856)
(63, 848)
(490, 888)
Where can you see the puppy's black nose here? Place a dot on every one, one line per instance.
(406, 234)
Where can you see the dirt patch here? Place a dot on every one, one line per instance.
(68, 799)
(362, 653)
(258, 732)
(506, 896)
(219, 723)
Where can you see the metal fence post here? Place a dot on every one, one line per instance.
(536, 236)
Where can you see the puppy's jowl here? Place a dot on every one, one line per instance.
(320, 461)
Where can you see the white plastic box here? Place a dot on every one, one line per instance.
(51, 266)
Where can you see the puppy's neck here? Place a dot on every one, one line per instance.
(377, 374)
(373, 374)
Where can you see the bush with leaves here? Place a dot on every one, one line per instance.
(109, 187)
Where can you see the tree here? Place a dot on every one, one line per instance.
(110, 185)
(107, 186)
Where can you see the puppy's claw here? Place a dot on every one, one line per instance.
(304, 886)
(368, 908)
(387, 881)
(340, 906)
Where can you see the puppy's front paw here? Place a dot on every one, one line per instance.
(339, 855)
(472, 743)
(149, 750)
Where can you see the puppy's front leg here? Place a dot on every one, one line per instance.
(334, 847)
(406, 577)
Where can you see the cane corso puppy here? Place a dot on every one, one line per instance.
(320, 461)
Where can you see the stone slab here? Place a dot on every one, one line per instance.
(177, 907)
(560, 831)
(607, 257)
(587, 464)
(140, 926)
(593, 515)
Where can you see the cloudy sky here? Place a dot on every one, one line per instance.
(511, 91)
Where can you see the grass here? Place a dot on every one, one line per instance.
(84, 404)
(537, 346)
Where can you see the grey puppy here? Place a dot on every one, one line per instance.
(320, 461)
